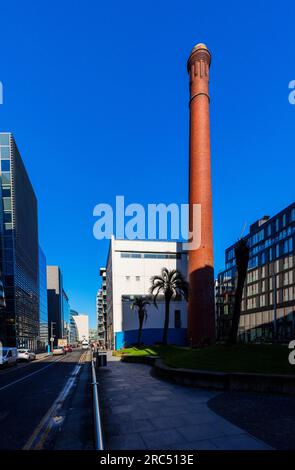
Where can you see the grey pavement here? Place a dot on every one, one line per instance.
(140, 411)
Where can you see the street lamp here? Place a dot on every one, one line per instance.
(51, 334)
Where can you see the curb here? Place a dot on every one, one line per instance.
(265, 383)
(148, 360)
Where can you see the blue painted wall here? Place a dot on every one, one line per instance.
(151, 336)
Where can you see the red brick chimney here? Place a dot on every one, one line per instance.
(201, 319)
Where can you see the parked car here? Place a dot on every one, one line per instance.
(26, 355)
(58, 351)
(68, 349)
(8, 357)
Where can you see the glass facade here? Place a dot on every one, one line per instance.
(73, 328)
(66, 316)
(19, 257)
(268, 307)
(43, 306)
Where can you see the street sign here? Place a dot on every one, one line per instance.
(51, 339)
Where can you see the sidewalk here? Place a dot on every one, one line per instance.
(76, 432)
(142, 412)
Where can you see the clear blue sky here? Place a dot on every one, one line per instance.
(96, 94)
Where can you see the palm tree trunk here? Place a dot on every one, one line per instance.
(166, 323)
(242, 259)
(139, 331)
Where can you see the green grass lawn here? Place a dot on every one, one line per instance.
(268, 359)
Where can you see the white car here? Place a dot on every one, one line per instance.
(26, 355)
(8, 356)
(58, 350)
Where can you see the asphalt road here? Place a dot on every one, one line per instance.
(26, 394)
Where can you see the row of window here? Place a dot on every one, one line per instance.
(285, 279)
(283, 295)
(151, 255)
(266, 232)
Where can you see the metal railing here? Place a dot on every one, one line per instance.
(98, 439)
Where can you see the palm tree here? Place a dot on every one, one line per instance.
(242, 258)
(171, 284)
(140, 304)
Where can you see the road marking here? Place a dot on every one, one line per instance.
(52, 418)
(30, 375)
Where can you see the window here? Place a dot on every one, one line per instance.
(5, 152)
(127, 278)
(177, 319)
(6, 178)
(6, 192)
(5, 165)
(277, 225)
(288, 245)
(7, 217)
(4, 139)
(262, 301)
(7, 204)
(263, 258)
(284, 220)
(161, 255)
(130, 255)
(137, 278)
(293, 215)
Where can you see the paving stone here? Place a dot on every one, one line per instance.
(241, 442)
(140, 411)
(196, 445)
(199, 431)
(126, 441)
(160, 439)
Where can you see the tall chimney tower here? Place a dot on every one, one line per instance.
(201, 320)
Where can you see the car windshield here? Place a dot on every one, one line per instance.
(22, 350)
(3, 352)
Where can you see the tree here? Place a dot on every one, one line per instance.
(242, 258)
(171, 284)
(139, 303)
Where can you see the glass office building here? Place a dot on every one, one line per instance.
(58, 308)
(66, 316)
(43, 305)
(74, 338)
(19, 258)
(268, 306)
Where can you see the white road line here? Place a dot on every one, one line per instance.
(48, 422)
(30, 375)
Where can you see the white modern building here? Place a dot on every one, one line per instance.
(130, 266)
(82, 324)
